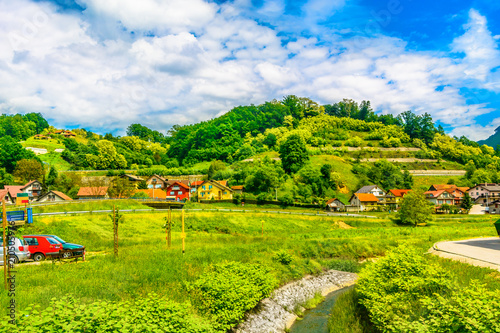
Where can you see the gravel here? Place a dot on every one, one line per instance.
(275, 314)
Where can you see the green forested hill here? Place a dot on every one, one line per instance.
(493, 140)
(327, 148)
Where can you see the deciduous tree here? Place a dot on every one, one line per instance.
(415, 209)
(28, 170)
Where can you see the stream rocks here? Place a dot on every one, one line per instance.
(275, 314)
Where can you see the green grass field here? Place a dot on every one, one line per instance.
(50, 145)
(146, 265)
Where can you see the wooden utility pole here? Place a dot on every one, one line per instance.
(183, 235)
(115, 232)
(4, 225)
(169, 227)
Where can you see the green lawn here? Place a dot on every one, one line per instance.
(146, 265)
(50, 145)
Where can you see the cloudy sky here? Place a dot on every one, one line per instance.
(104, 64)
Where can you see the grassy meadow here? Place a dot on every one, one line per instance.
(146, 265)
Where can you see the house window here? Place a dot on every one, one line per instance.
(202, 194)
(203, 187)
(172, 193)
(209, 187)
(158, 186)
(225, 192)
(179, 193)
(150, 186)
(175, 188)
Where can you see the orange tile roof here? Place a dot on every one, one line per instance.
(366, 197)
(61, 195)
(222, 182)
(237, 187)
(197, 183)
(158, 193)
(440, 187)
(399, 193)
(92, 191)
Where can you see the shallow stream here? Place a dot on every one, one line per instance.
(316, 320)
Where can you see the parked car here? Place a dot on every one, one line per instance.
(77, 250)
(42, 246)
(21, 252)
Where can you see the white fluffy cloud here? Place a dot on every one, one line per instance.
(191, 60)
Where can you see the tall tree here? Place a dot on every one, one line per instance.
(467, 202)
(415, 209)
(28, 170)
(293, 154)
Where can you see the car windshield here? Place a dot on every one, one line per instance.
(58, 239)
(52, 241)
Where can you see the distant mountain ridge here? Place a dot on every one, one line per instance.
(493, 140)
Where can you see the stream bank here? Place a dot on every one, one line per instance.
(276, 313)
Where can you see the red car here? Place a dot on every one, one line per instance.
(42, 246)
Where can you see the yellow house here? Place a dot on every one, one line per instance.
(212, 189)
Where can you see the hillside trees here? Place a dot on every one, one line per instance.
(107, 157)
(28, 170)
(293, 154)
(11, 152)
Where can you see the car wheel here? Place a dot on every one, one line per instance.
(13, 259)
(67, 255)
(38, 257)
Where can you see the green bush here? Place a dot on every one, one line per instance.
(150, 314)
(228, 290)
(283, 257)
(404, 292)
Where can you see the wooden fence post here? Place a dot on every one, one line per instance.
(183, 235)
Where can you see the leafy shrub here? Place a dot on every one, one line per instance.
(150, 314)
(286, 200)
(228, 290)
(403, 292)
(354, 142)
(283, 257)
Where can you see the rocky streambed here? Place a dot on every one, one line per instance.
(275, 314)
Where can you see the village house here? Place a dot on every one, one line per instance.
(438, 198)
(485, 193)
(494, 207)
(238, 189)
(335, 205)
(375, 190)
(211, 189)
(194, 186)
(178, 190)
(132, 178)
(33, 189)
(393, 198)
(53, 196)
(156, 181)
(97, 192)
(5, 195)
(364, 201)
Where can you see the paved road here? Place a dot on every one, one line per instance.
(480, 251)
(477, 210)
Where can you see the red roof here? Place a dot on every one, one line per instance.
(92, 191)
(14, 190)
(435, 194)
(197, 183)
(180, 184)
(399, 193)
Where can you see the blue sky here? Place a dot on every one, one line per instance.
(103, 65)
